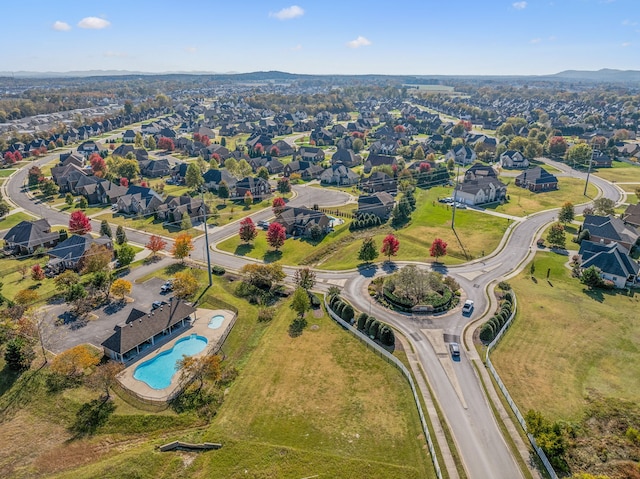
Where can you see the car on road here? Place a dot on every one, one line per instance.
(467, 308)
(461, 206)
(263, 224)
(166, 287)
(158, 304)
(454, 348)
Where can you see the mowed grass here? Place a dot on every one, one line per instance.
(523, 202)
(8, 222)
(478, 234)
(620, 172)
(148, 224)
(5, 172)
(12, 279)
(568, 343)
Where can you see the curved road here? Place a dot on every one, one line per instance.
(455, 385)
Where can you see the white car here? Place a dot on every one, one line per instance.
(467, 308)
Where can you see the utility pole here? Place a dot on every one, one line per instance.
(588, 173)
(206, 240)
(455, 199)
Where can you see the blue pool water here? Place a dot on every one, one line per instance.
(216, 321)
(157, 372)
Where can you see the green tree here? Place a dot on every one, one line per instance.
(580, 154)
(185, 224)
(83, 204)
(151, 143)
(193, 177)
(357, 146)
(121, 236)
(137, 142)
(19, 354)
(123, 167)
(105, 229)
(49, 188)
(450, 164)
(223, 191)
(368, 251)
(592, 277)
(126, 253)
(68, 199)
(418, 153)
(557, 236)
(604, 207)
(300, 302)
(566, 213)
(305, 278)
(263, 173)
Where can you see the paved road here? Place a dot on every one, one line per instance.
(455, 384)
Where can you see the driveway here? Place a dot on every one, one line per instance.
(60, 337)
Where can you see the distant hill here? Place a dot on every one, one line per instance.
(604, 75)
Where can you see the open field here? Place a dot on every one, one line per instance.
(12, 278)
(5, 172)
(148, 224)
(320, 403)
(10, 221)
(523, 202)
(570, 231)
(568, 343)
(620, 172)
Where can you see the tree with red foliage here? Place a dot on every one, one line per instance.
(43, 150)
(37, 273)
(204, 139)
(196, 137)
(278, 205)
(144, 184)
(9, 158)
(258, 149)
(155, 244)
(17, 156)
(438, 248)
(557, 145)
(390, 246)
(216, 157)
(466, 124)
(275, 151)
(35, 176)
(425, 167)
(79, 223)
(124, 181)
(248, 231)
(165, 143)
(276, 235)
(358, 134)
(399, 129)
(98, 165)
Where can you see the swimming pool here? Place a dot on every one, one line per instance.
(216, 321)
(157, 372)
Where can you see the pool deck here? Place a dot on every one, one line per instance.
(199, 326)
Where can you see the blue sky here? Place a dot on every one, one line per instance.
(422, 37)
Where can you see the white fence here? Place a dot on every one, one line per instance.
(503, 388)
(396, 362)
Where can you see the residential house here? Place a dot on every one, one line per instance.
(311, 173)
(379, 181)
(144, 330)
(601, 160)
(67, 177)
(72, 158)
(155, 168)
(140, 154)
(109, 192)
(339, 175)
(609, 229)
(321, 136)
(139, 201)
(346, 157)
(480, 191)
(379, 204)
(537, 179)
(213, 177)
(612, 260)
(631, 215)
(513, 159)
(88, 147)
(69, 253)
(383, 147)
(478, 170)
(129, 136)
(258, 187)
(374, 160)
(299, 221)
(284, 148)
(462, 155)
(28, 236)
(309, 153)
(175, 208)
(295, 167)
(273, 165)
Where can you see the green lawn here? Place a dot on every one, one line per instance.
(12, 278)
(148, 224)
(6, 172)
(620, 172)
(10, 221)
(92, 210)
(570, 231)
(523, 202)
(317, 404)
(568, 343)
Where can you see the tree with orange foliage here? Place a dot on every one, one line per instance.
(182, 246)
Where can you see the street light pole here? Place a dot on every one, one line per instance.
(588, 173)
(206, 241)
(455, 199)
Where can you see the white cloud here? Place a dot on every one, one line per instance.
(288, 13)
(359, 42)
(626, 44)
(61, 26)
(93, 23)
(629, 23)
(190, 49)
(112, 54)
(535, 40)
(297, 48)
(519, 5)
(553, 38)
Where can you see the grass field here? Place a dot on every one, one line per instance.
(10, 221)
(620, 172)
(568, 343)
(523, 202)
(317, 404)
(570, 231)
(12, 280)
(6, 172)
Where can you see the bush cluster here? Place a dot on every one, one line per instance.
(375, 329)
(218, 270)
(365, 220)
(492, 327)
(341, 308)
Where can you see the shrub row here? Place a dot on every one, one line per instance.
(343, 310)
(492, 327)
(366, 220)
(375, 329)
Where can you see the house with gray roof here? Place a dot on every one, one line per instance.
(143, 330)
(537, 179)
(609, 229)
(339, 175)
(612, 260)
(69, 253)
(299, 221)
(513, 159)
(28, 236)
(379, 204)
(480, 191)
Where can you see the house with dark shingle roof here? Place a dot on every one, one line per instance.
(379, 204)
(609, 229)
(379, 181)
(214, 177)
(69, 253)
(612, 260)
(309, 153)
(631, 215)
(480, 191)
(374, 160)
(513, 159)
(537, 179)
(27, 236)
(143, 330)
(299, 221)
(258, 187)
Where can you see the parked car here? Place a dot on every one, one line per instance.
(263, 224)
(467, 308)
(454, 348)
(166, 287)
(157, 304)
